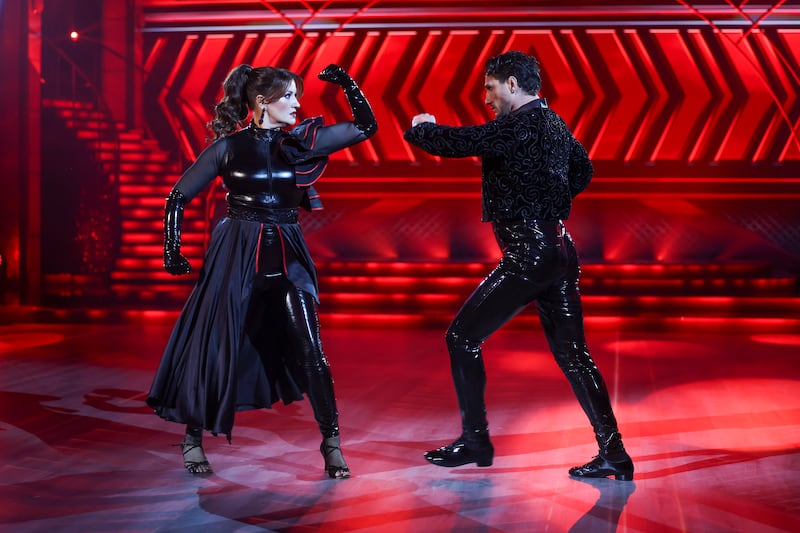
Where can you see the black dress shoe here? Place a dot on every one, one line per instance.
(601, 467)
(462, 452)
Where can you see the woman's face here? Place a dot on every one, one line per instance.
(283, 110)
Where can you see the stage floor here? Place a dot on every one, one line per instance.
(711, 420)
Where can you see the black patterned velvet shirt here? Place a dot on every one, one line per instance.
(532, 164)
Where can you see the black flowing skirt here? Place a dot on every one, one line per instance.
(219, 359)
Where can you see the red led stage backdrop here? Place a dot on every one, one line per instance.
(639, 84)
(690, 112)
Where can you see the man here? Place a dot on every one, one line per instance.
(532, 168)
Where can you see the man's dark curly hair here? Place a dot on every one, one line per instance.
(518, 64)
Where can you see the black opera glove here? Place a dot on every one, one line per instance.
(174, 262)
(363, 117)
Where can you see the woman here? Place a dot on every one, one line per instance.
(248, 335)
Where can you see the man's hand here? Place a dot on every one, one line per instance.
(422, 117)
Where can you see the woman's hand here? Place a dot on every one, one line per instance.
(334, 74)
(176, 264)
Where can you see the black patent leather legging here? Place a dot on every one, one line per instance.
(539, 264)
(302, 323)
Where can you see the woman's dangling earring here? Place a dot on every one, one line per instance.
(261, 117)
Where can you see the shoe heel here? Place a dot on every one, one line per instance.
(624, 477)
(485, 460)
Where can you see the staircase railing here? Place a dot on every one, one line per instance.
(109, 169)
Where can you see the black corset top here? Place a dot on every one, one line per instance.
(257, 174)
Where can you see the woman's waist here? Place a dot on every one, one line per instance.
(262, 213)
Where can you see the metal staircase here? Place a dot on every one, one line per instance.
(144, 175)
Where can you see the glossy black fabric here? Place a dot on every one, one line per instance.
(540, 265)
(269, 168)
(532, 168)
(247, 335)
(532, 164)
(174, 262)
(282, 331)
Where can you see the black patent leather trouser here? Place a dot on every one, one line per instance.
(303, 336)
(540, 265)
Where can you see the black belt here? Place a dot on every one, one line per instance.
(272, 216)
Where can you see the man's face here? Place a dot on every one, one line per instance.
(498, 96)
